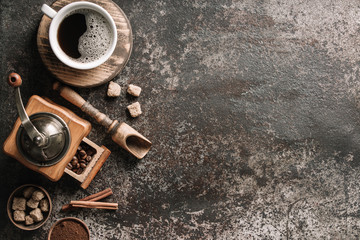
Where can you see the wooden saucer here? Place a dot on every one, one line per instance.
(96, 76)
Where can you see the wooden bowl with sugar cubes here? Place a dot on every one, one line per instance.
(29, 207)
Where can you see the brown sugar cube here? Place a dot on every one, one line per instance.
(31, 203)
(44, 205)
(134, 109)
(19, 204)
(36, 215)
(38, 195)
(134, 90)
(27, 193)
(29, 220)
(19, 216)
(114, 89)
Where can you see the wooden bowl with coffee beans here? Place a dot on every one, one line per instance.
(29, 207)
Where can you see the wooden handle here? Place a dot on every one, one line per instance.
(122, 134)
(85, 106)
(14, 80)
(69, 94)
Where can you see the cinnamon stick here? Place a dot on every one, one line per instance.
(90, 204)
(97, 196)
(93, 197)
(82, 206)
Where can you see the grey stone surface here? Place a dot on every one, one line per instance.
(252, 108)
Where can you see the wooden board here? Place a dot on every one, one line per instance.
(96, 76)
(79, 128)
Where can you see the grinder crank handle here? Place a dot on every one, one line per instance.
(121, 133)
(15, 81)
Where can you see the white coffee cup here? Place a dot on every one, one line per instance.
(58, 17)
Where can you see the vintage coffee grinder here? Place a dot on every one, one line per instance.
(46, 137)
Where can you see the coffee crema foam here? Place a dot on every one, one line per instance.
(95, 42)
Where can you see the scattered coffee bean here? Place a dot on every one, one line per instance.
(82, 153)
(88, 159)
(69, 166)
(74, 162)
(90, 152)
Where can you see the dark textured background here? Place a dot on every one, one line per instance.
(252, 107)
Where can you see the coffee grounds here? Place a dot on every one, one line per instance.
(69, 230)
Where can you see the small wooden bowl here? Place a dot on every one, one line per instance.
(18, 192)
(66, 219)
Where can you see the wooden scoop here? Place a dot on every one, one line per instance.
(121, 133)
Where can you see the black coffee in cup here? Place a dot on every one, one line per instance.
(84, 35)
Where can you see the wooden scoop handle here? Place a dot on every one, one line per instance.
(69, 94)
(121, 133)
(14, 80)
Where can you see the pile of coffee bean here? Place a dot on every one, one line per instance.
(82, 158)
